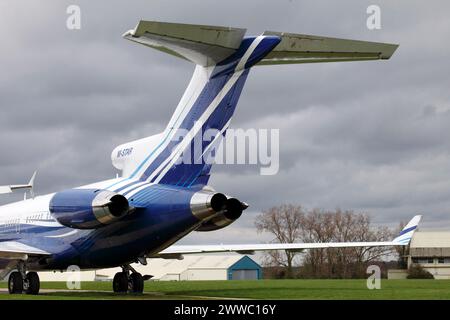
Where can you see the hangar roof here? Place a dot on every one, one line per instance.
(434, 239)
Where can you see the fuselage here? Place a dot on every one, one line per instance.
(162, 216)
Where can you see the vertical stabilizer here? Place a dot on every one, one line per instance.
(222, 58)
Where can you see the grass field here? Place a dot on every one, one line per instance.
(263, 289)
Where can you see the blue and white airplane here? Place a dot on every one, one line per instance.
(158, 199)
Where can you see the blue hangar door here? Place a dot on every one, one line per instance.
(244, 275)
(245, 269)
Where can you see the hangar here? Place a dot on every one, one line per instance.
(197, 267)
(192, 267)
(431, 250)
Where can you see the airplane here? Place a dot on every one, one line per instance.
(157, 200)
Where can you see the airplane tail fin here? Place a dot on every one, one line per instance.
(223, 58)
(11, 188)
(407, 232)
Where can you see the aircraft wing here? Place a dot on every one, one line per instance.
(17, 250)
(13, 251)
(176, 252)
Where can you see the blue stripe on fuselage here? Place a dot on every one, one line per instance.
(218, 119)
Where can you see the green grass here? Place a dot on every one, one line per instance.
(264, 289)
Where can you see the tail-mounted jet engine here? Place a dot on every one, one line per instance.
(88, 208)
(216, 210)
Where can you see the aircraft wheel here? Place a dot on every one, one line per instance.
(33, 283)
(15, 283)
(120, 282)
(137, 283)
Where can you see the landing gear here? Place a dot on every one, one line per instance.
(125, 281)
(32, 279)
(137, 283)
(120, 282)
(20, 281)
(15, 283)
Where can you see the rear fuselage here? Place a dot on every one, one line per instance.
(162, 216)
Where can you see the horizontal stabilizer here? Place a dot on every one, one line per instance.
(300, 48)
(203, 45)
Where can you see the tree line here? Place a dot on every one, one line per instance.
(289, 224)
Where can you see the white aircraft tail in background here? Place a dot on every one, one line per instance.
(14, 187)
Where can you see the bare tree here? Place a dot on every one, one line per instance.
(284, 222)
(342, 226)
(402, 251)
(292, 224)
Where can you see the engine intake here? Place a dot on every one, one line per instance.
(88, 208)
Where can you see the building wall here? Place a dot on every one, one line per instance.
(67, 276)
(430, 252)
(204, 274)
(439, 272)
(170, 277)
(394, 274)
(204, 267)
(438, 267)
(58, 276)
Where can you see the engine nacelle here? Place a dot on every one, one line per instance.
(88, 208)
(216, 210)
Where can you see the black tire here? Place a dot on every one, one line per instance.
(137, 283)
(15, 283)
(33, 283)
(120, 282)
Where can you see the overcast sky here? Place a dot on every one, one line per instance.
(369, 136)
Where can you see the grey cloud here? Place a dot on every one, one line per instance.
(369, 136)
